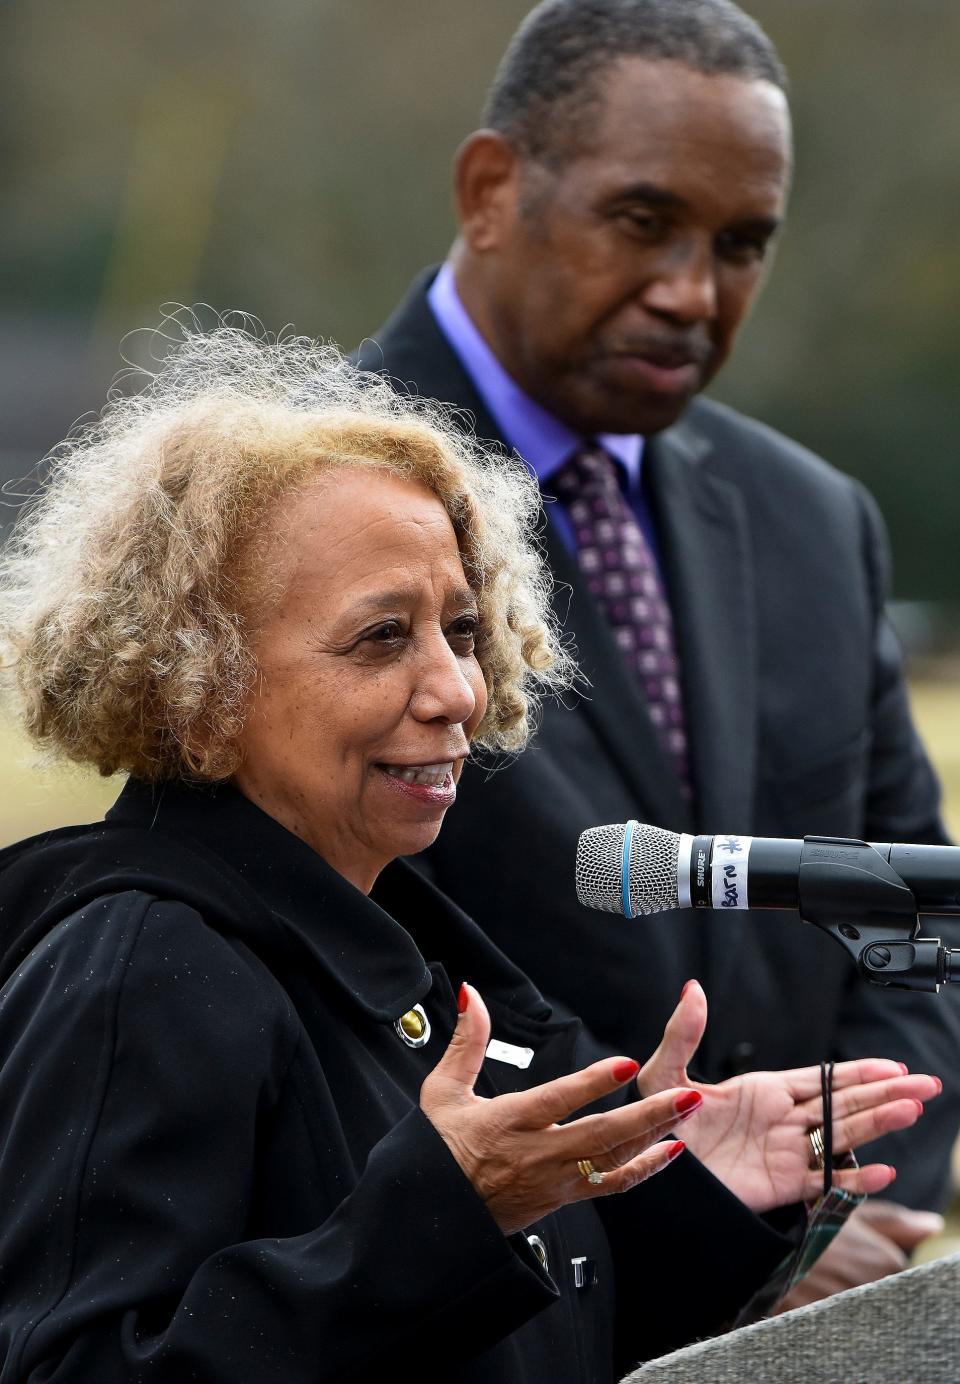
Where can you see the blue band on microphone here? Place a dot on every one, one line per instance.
(627, 841)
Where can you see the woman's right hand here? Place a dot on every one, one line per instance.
(520, 1160)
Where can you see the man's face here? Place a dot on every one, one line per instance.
(615, 284)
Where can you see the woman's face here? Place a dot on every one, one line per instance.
(369, 689)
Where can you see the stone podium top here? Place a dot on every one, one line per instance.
(904, 1328)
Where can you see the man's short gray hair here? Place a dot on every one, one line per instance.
(546, 85)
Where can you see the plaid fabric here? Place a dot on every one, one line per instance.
(825, 1217)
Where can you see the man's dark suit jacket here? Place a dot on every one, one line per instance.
(776, 568)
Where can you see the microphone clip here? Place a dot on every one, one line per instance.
(848, 890)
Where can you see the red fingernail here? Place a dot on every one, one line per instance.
(939, 1084)
(626, 1069)
(463, 998)
(892, 1171)
(688, 1102)
(675, 1150)
(687, 987)
(903, 1067)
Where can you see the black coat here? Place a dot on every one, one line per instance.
(214, 1167)
(776, 568)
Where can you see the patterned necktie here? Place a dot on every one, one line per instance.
(624, 580)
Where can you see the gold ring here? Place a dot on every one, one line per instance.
(817, 1145)
(586, 1169)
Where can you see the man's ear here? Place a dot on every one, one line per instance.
(486, 187)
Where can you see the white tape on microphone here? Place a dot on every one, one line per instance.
(731, 871)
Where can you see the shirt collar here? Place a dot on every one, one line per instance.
(543, 441)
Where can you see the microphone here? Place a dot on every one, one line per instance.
(866, 895)
(636, 869)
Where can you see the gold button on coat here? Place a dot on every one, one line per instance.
(414, 1027)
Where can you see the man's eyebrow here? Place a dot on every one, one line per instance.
(763, 226)
(652, 194)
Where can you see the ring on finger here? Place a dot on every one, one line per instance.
(586, 1169)
(818, 1147)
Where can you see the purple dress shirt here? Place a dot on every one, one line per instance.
(543, 442)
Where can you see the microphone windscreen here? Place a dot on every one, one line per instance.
(651, 868)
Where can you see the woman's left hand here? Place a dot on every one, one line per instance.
(752, 1132)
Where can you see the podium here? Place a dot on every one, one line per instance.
(905, 1329)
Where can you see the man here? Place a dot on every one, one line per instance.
(724, 588)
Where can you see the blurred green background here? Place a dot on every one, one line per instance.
(292, 159)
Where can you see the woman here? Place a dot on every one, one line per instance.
(255, 1125)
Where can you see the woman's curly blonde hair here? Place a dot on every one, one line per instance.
(125, 589)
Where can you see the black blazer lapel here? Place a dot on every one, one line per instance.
(613, 703)
(704, 532)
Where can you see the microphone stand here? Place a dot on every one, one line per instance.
(848, 890)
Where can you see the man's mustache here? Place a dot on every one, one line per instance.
(663, 348)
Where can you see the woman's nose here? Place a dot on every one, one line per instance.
(442, 690)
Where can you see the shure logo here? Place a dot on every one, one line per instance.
(701, 866)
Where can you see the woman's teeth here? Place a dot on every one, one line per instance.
(432, 775)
